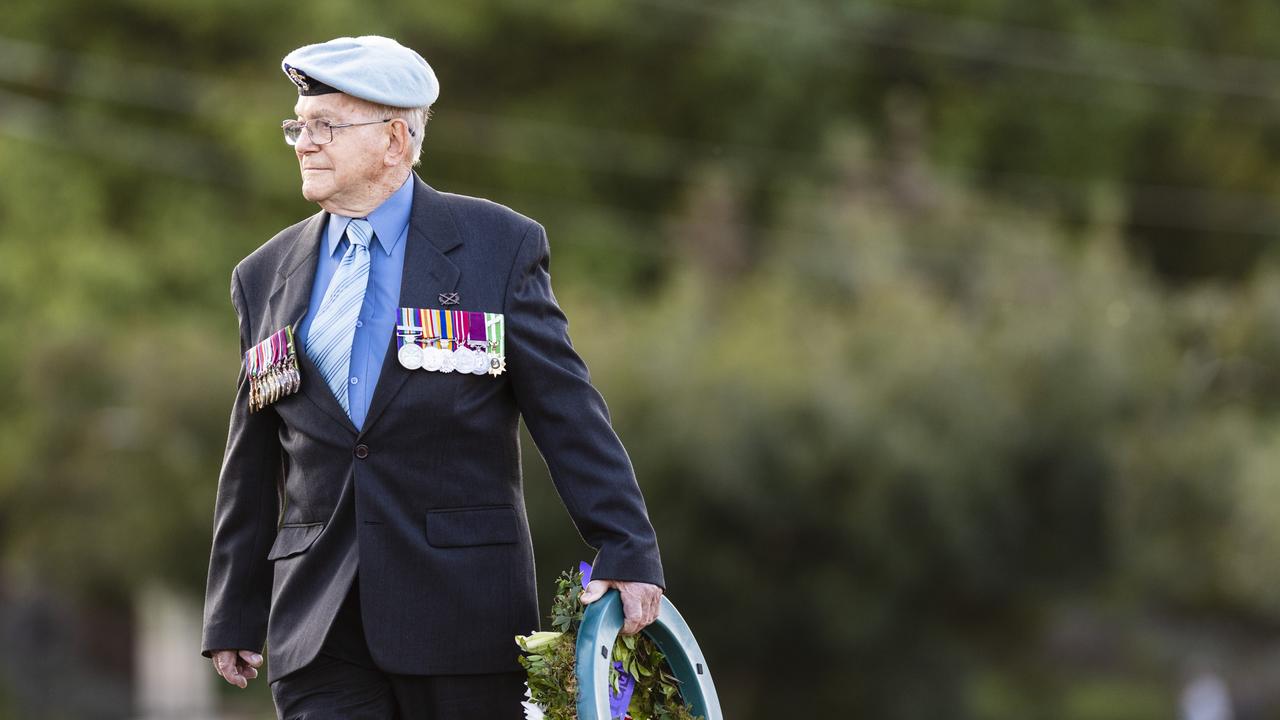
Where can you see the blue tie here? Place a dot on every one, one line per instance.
(334, 327)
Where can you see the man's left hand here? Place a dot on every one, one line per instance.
(640, 601)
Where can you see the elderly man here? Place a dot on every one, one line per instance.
(370, 522)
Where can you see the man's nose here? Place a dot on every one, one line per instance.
(305, 143)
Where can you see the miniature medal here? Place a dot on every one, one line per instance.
(272, 367)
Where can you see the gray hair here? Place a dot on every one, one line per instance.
(415, 118)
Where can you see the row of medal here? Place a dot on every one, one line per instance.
(473, 360)
(451, 341)
(272, 367)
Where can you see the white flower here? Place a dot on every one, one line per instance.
(531, 710)
(530, 643)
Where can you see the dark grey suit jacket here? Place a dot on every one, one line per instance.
(426, 500)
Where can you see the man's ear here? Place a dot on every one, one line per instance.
(397, 142)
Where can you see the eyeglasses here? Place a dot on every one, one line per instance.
(321, 131)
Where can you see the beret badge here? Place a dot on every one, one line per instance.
(299, 79)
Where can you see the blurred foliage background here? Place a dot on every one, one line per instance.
(943, 333)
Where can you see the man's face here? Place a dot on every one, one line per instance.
(347, 167)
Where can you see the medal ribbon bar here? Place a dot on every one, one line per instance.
(450, 340)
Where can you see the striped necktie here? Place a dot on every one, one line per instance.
(334, 327)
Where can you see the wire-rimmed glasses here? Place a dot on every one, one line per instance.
(321, 131)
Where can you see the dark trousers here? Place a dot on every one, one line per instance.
(343, 683)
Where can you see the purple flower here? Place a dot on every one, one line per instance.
(626, 686)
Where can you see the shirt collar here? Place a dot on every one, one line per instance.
(389, 220)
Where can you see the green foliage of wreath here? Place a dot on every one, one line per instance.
(550, 660)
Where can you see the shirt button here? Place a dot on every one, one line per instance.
(359, 323)
(355, 380)
(362, 451)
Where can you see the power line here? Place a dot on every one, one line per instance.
(516, 139)
(538, 143)
(1161, 206)
(100, 77)
(166, 152)
(1003, 44)
(173, 89)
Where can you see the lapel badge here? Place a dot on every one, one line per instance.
(448, 298)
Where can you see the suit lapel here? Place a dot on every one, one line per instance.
(288, 306)
(427, 273)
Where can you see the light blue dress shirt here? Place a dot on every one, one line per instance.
(390, 222)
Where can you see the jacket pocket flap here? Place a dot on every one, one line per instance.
(294, 539)
(464, 527)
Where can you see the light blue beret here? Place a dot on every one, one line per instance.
(370, 67)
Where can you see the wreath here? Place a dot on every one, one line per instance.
(641, 684)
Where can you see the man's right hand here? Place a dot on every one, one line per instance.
(237, 667)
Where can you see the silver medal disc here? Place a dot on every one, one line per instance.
(479, 362)
(432, 358)
(448, 363)
(462, 360)
(410, 356)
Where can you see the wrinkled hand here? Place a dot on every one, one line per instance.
(640, 601)
(237, 667)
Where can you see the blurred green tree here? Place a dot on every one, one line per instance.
(943, 334)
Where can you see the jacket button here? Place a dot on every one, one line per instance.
(362, 451)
